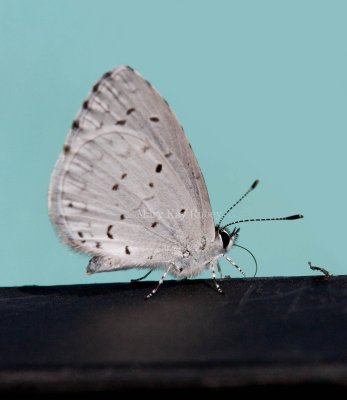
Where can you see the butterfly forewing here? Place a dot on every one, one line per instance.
(127, 184)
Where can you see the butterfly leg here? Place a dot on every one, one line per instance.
(234, 264)
(219, 289)
(154, 291)
(142, 277)
(219, 270)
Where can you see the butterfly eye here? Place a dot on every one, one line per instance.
(225, 237)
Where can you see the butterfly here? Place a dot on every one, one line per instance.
(128, 190)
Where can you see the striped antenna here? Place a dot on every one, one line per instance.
(254, 185)
(291, 217)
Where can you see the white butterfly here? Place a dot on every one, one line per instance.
(127, 188)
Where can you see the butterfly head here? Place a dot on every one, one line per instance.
(227, 238)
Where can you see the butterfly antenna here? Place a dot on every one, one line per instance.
(142, 277)
(291, 217)
(254, 185)
(255, 261)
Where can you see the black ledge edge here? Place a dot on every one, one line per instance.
(105, 338)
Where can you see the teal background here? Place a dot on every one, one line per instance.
(260, 87)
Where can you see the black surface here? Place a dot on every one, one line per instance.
(106, 337)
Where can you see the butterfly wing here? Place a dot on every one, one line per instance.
(127, 185)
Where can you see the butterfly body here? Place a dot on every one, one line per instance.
(189, 262)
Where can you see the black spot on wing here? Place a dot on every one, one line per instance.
(85, 105)
(131, 110)
(66, 149)
(96, 87)
(109, 234)
(121, 122)
(148, 198)
(76, 124)
(154, 224)
(154, 119)
(97, 245)
(151, 184)
(158, 168)
(169, 154)
(131, 69)
(127, 251)
(107, 75)
(122, 216)
(182, 211)
(80, 234)
(124, 175)
(70, 205)
(115, 186)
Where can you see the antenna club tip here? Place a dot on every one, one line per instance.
(255, 184)
(296, 216)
